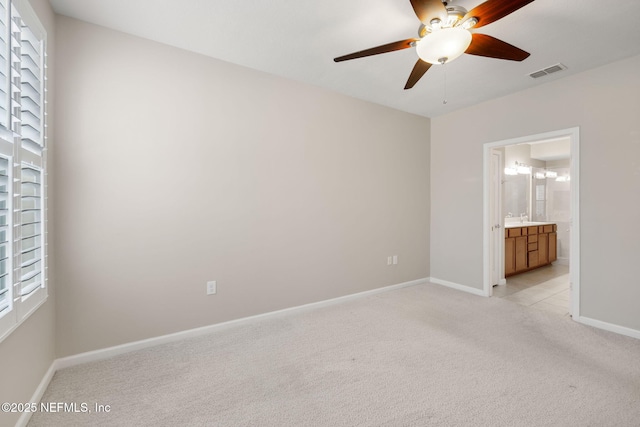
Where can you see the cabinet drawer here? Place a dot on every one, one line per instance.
(548, 228)
(532, 247)
(533, 230)
(515, 232)
(532, 238)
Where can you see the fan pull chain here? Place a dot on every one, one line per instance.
(444, 101)
(443, 61)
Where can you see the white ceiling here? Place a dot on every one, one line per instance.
(298, 39)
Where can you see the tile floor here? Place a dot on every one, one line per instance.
(545, 288)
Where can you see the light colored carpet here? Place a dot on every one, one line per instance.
(418, 356)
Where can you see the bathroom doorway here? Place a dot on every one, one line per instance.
(531, 183)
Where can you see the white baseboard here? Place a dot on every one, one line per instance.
(459, 287)
(622, 330)
(562, 261)
(37, 395)
(106, 353)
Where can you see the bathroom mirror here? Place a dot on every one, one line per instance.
(516, 195)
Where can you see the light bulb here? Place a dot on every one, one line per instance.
(468, 23)
(510, 171)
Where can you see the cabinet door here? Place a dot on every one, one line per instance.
(509, 256)
(521, 253)
(533, 259)
(543, 249)
(553, 250)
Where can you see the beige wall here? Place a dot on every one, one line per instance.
(175, 169)
(605, 104)
(27, 354)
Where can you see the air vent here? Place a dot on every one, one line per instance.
(549, 70)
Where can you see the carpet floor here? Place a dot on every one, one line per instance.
(418, 356)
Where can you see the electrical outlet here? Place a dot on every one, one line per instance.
(211, 287)
(389, 260)
(395, 259)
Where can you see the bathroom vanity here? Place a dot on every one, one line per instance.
(529, 245)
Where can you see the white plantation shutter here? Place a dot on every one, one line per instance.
(30, 231)
(15, 24)
(27, 58)
(23, 194)
(5, 59)
(6, 296)
(31, 89)
(8, 312)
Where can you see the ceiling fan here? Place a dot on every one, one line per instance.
(444, 35)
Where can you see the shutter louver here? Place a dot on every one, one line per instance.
(30, 230)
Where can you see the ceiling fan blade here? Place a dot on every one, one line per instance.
(391, 47)
(426, 10)
(492, 10)
(484, 45)
(418, 71)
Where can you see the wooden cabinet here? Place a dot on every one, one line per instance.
(521, 253)
(529, 247)
(553, 250)
(509, 256)
(543, 248)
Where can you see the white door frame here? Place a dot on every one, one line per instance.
(496, 250)
(574, 257)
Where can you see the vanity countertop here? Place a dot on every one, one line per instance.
(525, 224)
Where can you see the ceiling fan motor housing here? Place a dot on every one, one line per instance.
(455, 14)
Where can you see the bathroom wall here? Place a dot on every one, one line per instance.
(559, 206)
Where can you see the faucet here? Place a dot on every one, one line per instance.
(523, 217)
(509, 215)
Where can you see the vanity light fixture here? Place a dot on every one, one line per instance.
(523, 169)
(518, 169)
(546, 174)
(510, 171)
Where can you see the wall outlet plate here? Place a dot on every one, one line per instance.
(212, 287)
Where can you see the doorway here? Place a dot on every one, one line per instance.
(544, 159)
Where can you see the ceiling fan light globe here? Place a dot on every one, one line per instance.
(447, 43)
